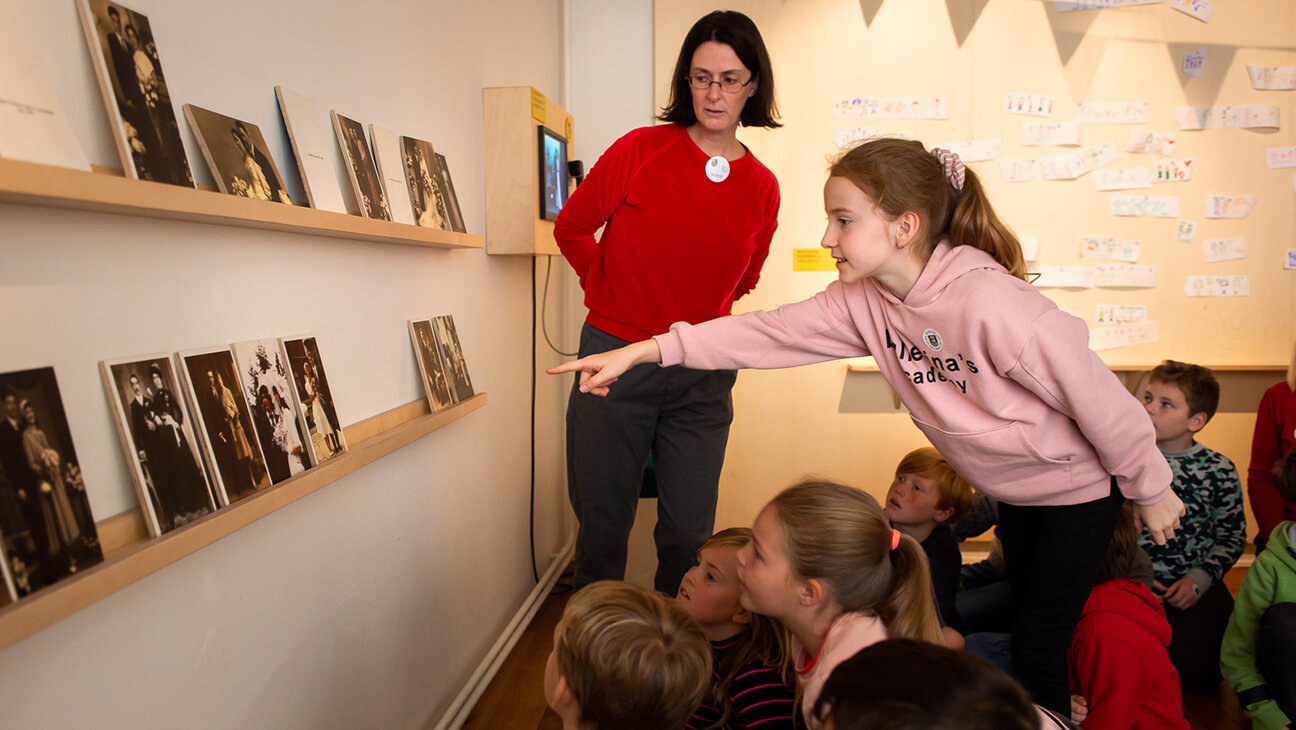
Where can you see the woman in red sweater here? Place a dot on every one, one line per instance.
(687, 213)
(1275, 435)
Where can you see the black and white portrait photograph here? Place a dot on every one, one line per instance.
(361, 168)
(424, 180)
(46, 530)
(269, 392)
(435, 383)
(236, 467)
(452, 357)
(325, 438)
(158, 437)
(451, 198)
(237, 155)
(125, 58)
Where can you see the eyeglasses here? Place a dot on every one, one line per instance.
(728, 84)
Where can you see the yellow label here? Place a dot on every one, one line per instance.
(567, 132)
(538, 105)
(813, 259)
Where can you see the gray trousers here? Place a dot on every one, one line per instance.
(683, 417)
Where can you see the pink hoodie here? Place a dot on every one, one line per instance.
(1001, 381)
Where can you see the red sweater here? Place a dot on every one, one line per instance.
(1119, 662)
(1275, 435)
(677, 246)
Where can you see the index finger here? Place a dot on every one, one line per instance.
(570, 366)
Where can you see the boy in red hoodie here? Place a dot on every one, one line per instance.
(1118, 658)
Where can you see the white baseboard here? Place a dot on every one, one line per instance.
(466, 700)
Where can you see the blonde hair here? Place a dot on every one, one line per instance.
(840, 536)
(901, 175)
(765, 639)
(955, 491)
(632, 658)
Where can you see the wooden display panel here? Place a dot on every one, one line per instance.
(513, 222)
(31, 184)
(130, 555)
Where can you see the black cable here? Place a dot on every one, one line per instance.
(535, 571)
(544, 312)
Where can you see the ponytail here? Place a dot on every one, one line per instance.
(840, 536)
(975, 224)
(909, 608)
(901, 175)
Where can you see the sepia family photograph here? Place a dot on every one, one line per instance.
(449, 195)
(237, 155)
(362, 171)
(424, 184)
(452, 358)
(225, 430)
(435, 383)
(135, 92)
(269, 393)
(318, 414)
(47, 532)
(159, 441)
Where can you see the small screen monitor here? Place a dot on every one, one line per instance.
(553, 173)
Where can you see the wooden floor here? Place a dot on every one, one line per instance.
(514, 700)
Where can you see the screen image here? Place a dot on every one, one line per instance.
(553, 174)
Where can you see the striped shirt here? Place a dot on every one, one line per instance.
(760, 698)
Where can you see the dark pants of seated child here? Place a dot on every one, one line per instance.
(1276, 654)
(1195, 637)
(1052, 554)
(985, 608)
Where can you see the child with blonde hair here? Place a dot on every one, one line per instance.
(752, 684)
(932, 284)
(825, 562)
(925, 498)
(625, 658)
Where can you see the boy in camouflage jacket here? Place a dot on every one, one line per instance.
(1180, 399)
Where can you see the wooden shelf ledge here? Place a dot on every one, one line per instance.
(32, 184)
(131, 555)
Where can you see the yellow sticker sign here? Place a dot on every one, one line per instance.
(813, 259)
(538, 105)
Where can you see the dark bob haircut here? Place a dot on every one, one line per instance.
(739, 33)
(904, 684)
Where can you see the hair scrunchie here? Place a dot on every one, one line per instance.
(955, 172)
(895, 538)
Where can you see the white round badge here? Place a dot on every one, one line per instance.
(717, 168)
(933, 340)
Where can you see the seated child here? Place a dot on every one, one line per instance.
(1180, 399)
(825, 562)
(901, 684)
(625, 658)
(1260, 644)
(1118, 659)
(751, 684)
(926, 497)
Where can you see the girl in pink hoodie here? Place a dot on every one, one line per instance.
(932, 284)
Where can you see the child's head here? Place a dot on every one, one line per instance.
(710, 590)
(911, 189)
(901, 684)
(1180, 398)
(1285, 470)
(626, 657)
(821, 547)
(927, 491)
(711, 594)
(1122, 556)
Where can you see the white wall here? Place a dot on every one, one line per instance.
(368, 603)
